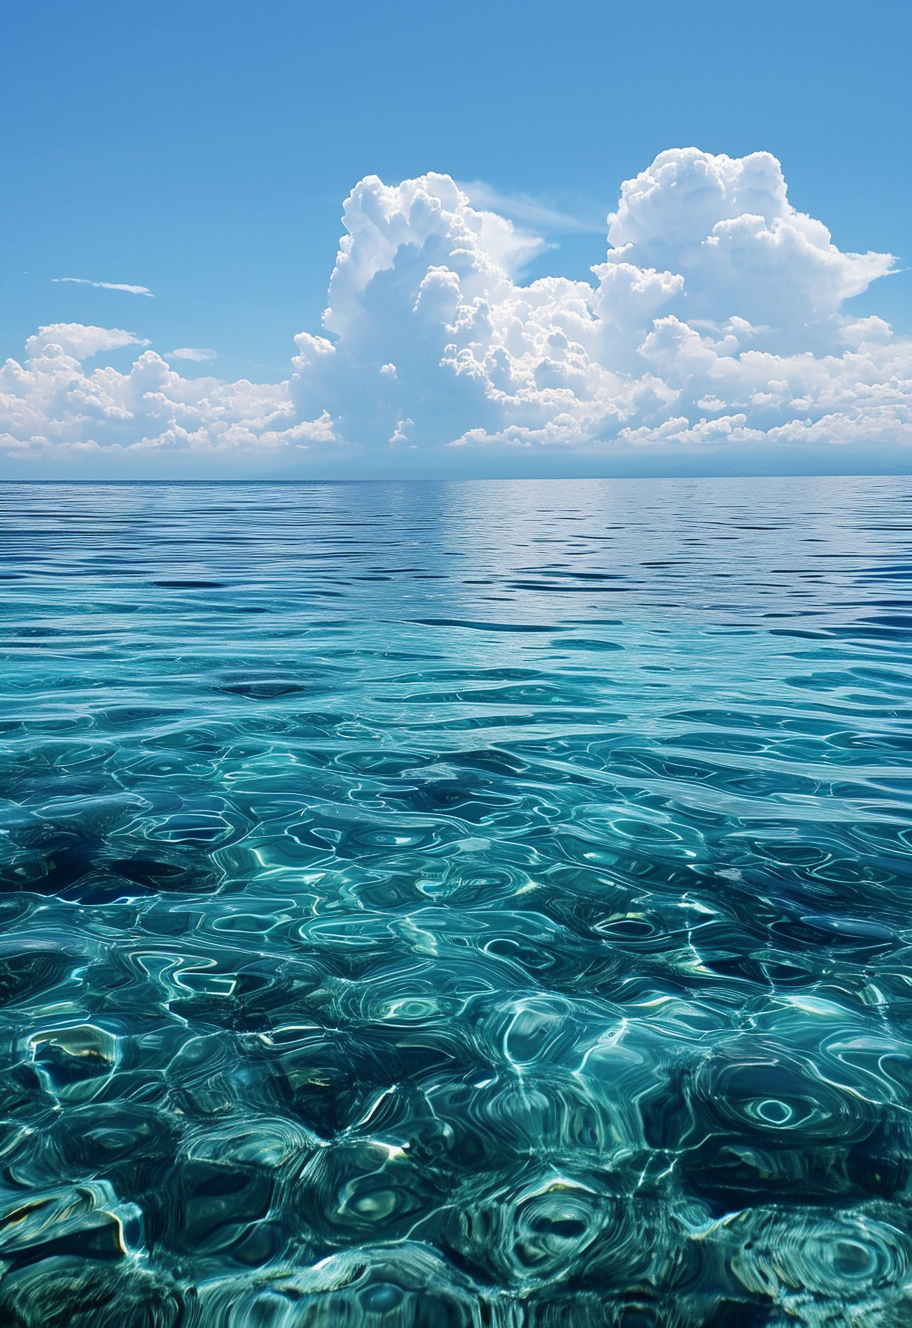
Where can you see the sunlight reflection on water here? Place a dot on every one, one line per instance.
(473, 903)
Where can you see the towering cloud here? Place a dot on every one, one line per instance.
(716, 319)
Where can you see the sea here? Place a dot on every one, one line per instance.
(481, 903)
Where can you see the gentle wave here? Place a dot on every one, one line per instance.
(388, 936)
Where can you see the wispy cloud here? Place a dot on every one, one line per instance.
(107, 285)
(525, 208)
(199, 353)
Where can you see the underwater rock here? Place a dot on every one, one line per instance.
(75, 1062)
(398, 1286)
(86, 1219)
(76, 1292)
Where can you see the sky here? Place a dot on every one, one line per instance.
(174, 179)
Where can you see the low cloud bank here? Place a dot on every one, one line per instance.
(716, 322)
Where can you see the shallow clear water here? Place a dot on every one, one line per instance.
(475, 903)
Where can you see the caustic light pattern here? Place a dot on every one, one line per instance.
(716, 320)
(462, 906)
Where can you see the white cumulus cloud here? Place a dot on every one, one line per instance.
(715, 320)
(52, 403)
(79, 340)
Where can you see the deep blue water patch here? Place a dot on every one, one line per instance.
(463, 904)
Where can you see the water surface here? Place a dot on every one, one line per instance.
(474, 903)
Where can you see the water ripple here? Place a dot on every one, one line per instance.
(463, 904)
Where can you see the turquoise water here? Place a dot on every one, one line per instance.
(474, 903)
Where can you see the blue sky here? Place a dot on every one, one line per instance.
(204, 151)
